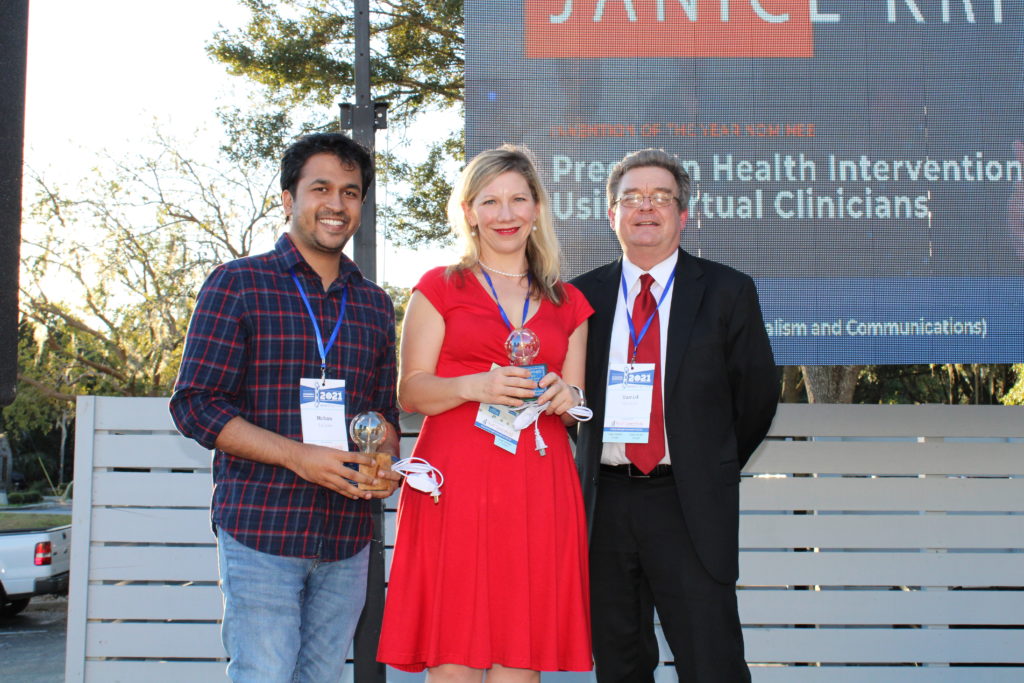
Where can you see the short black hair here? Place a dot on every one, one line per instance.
(340, 145)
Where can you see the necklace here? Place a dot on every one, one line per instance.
(501, 272)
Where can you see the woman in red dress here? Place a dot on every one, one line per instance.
(492, 579)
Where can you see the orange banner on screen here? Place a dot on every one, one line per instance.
(669, 28)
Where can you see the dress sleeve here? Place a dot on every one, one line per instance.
(434, 286)
(577, 305)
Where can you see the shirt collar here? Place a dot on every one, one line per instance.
(287, 257)
(661, 272)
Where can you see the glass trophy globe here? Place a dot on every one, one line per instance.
(368, 431)
(522, 346)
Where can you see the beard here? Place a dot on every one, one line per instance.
(327, 242)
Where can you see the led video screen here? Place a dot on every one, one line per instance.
(862, 160)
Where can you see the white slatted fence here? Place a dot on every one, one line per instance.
(878, 543)
(885, 543)
(144, 603)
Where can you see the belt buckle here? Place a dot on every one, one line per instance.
(639, 473)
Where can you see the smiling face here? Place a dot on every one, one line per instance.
(503, 214)
(325, 209)
(648, 234)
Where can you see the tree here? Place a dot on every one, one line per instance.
(952, 384)
(400, 298)
(110, 273)
(133, 248)
(830, 383)
(301, 51)
(1015, 396)
(300, 54)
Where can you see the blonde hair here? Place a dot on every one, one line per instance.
(543, 254)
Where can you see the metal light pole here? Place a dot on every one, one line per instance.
(13, 59)
(364, 119)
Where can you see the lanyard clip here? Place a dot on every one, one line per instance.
(323, 374)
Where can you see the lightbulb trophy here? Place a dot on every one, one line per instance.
(523, 346)
(368, 431)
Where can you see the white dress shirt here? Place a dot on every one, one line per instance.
(615, 453)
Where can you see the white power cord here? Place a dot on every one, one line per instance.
(529, 413)
(421, 475)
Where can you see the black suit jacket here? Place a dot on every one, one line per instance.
(721, 389)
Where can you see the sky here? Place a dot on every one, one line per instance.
(102, 74)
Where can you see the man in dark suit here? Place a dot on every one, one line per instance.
(664, 514)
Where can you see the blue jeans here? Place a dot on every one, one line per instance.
(288, 619)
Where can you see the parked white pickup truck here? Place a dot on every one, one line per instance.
(33, 563)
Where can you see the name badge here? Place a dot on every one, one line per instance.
(628, 396)
(322, 407)
(497, 420)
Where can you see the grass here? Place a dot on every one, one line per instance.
(11, 521)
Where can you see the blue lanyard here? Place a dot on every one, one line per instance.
(633, 335)
(319, 337)
(526, 304)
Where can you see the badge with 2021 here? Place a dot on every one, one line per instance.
(627, 416)
(322, 407)
(498, 420)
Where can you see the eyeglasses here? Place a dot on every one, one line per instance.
(634, 200)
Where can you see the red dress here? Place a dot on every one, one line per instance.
(496, 572)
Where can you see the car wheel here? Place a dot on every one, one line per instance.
(13, 607)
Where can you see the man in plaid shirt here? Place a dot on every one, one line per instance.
(269, 334)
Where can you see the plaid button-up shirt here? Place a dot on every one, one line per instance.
(249, 343)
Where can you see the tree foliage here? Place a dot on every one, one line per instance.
(301, 51)
(1015, 396)
(109, 275)
(951, 384)
(400, 298)
(420, 216)
(110, 272)
(300, 55)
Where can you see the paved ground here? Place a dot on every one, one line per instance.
(32, 643)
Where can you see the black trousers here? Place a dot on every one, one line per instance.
(642, 559)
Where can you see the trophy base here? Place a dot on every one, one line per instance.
(537, 373)
(383, 462)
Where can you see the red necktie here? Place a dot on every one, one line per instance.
(646, 455)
